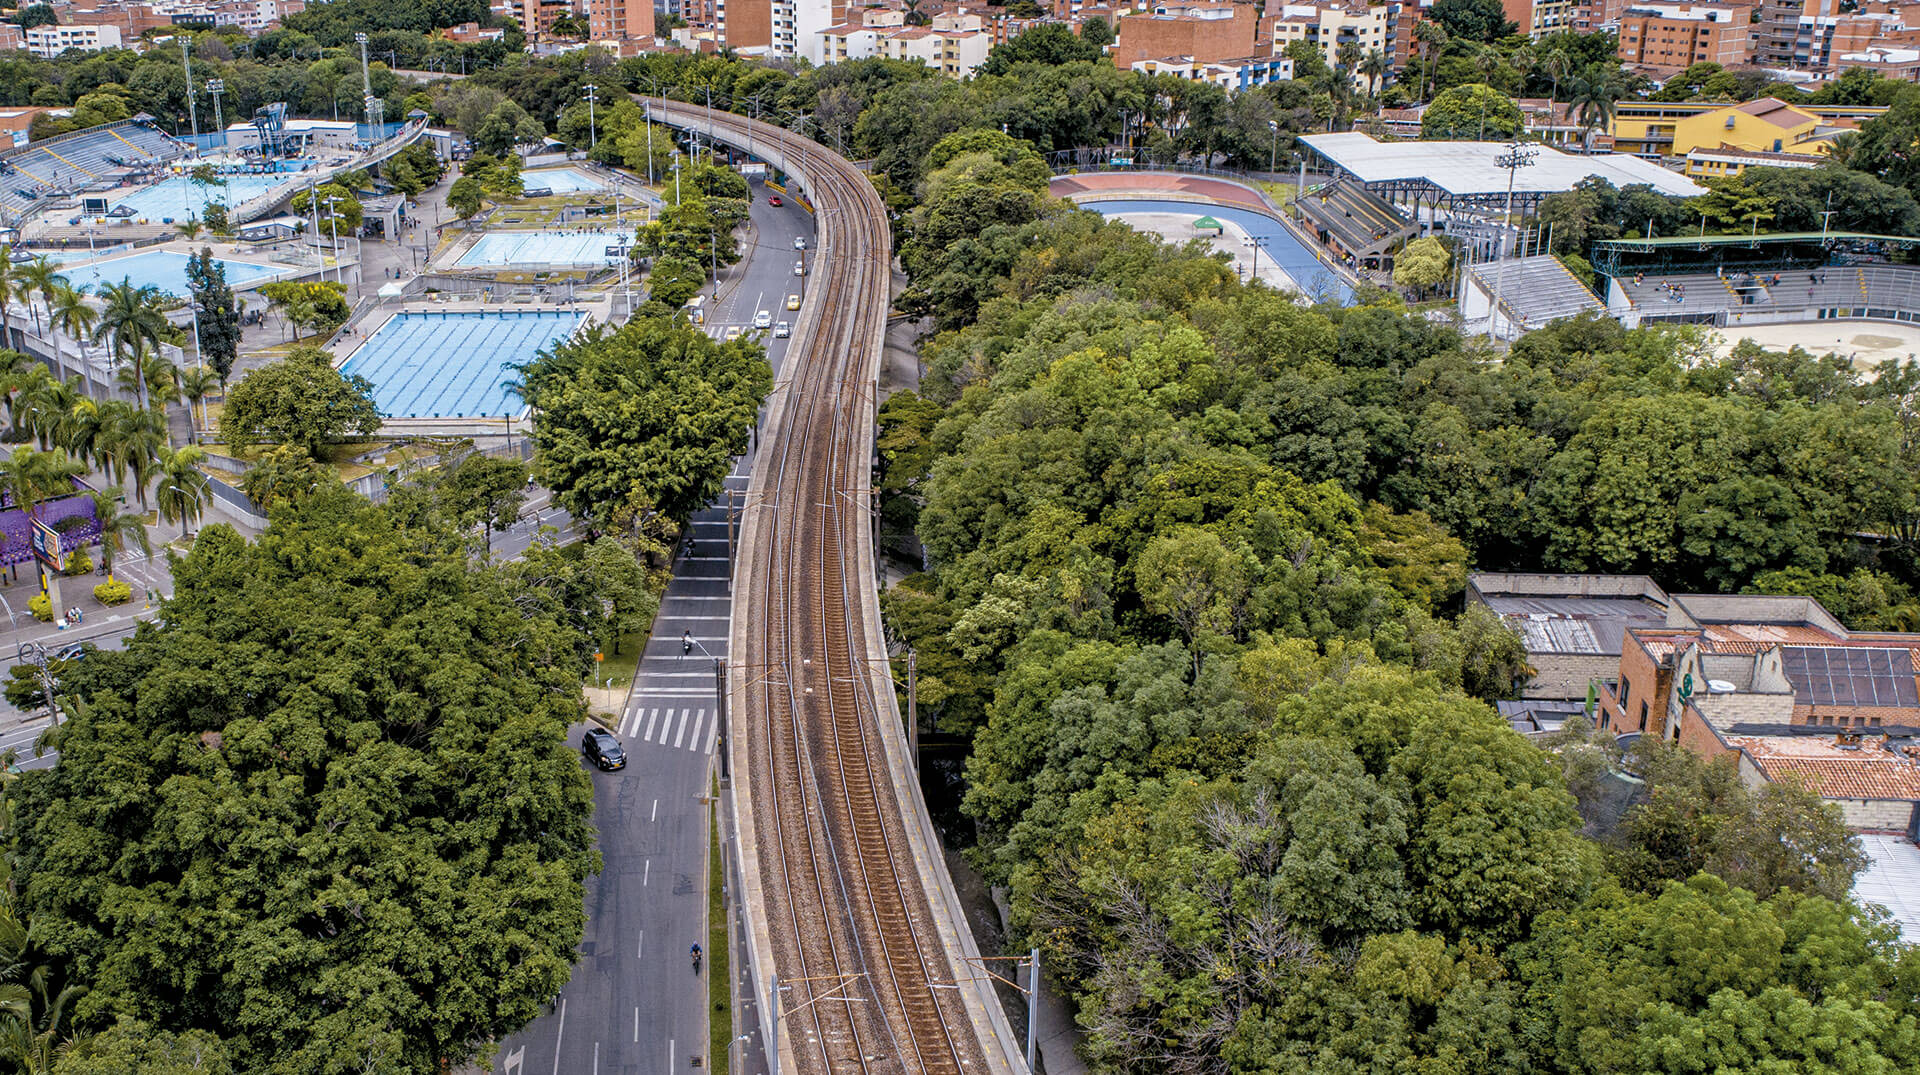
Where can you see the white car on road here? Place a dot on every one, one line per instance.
(763, 319)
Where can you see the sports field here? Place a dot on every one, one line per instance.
(1867, 343)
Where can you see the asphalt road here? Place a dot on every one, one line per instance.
(634, 1006)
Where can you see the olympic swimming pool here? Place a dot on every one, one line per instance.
(162, 269)
(541, 248)
(562, 181)
(451, 365)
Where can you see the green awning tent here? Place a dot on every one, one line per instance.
(1208, 222)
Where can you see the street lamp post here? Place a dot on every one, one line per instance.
(593, 131)
(333, 227)
(1273, 150)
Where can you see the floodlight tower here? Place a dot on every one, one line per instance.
(593, 132)
(216, 87)
(1516, 156)
(375, 107)
(193, 119)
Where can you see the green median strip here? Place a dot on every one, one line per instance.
(719, 999)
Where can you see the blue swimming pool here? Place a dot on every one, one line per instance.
(1275, 241)
(562, 180)
(163, 269)
(178, 197)
(541, 248)
(452, 365)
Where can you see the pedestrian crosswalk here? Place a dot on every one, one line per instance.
(673, 727)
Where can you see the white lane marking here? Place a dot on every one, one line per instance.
(682, 735)
(646, 871)
(636, 1024)
(669, 1054)
(652, 715)
(655, 816)
(559, 1033)
(713, 732)
(693, 742)
(640, 946)
(596, 1058)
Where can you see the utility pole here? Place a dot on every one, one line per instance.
(1516, 156)
(913, 720)
(593, 131)
(216, 87)
(333, 226)
(1033, 1001)
(193, 119)
(1273, 150)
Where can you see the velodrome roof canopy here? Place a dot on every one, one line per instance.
(1466, 170)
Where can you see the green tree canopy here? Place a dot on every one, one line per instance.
(652, 413)
(1474, 112)
(344, 744)
(300, 400)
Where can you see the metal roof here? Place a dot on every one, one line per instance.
(1851, 675)
(1589, 625)
(1467, 168)
(1749, 240)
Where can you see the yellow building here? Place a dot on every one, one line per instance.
(1713, 139)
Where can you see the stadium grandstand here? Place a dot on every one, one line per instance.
(1531, 292)
(1753, 280)
(96, 159)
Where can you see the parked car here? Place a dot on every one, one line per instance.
(603, 749)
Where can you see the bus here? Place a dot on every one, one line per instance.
(697, 309)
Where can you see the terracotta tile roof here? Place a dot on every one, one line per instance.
(1774, 111)
(1835, 772)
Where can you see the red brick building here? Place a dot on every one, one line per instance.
(1206, 32)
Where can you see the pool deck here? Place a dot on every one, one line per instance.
(284, 261)
(597, 309)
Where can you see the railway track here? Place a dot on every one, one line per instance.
(869, 982)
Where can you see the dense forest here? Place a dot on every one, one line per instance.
(1197, 550)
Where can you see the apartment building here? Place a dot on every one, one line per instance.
(954, 44)
(1329, 26)
(1233, 76)
(1674, 36)
(49, 41)
(622, 26)
(953, 53)
(1206, 30)
(1537, 18)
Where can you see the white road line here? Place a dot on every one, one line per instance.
(713, 732)
(652, 715)
(559, 1033)
(686, 619)
(640, 946)
(689, 597)
(646, 871)
(655, 816)
(596, 1058)
(678, 692)
(677, 675)
(636, 1023)
(625, 730)
(698, 719)
(682, 734)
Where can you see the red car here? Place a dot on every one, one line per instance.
(775, 201)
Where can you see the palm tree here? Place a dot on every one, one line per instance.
(33, 477)
(191, 229)
(32, 1043)
(130, 316)
(1556, 65)
(46, 405)
(1433, 37)
(1489, 61)
(9, 291)
(119, 530)
(130, 441)
(1375, 66)
(183, 488)
(1593, 100)
(69, 312)
(196, 385)
(155, 375)
(39, 277)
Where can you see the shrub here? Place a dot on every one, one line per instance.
(79, 563)
(113, 592)
(41, 606)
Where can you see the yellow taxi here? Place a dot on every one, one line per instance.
(793, 302)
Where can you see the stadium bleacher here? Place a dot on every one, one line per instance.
(1885, 291)
(1535, 290)
(81, 160)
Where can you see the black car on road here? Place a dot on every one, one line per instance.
(601, 748)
